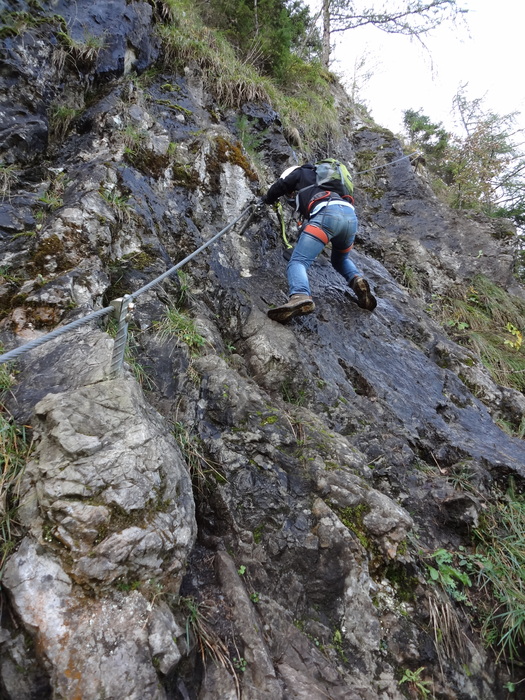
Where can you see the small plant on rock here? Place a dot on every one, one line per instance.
(416, 683)
(15, 447)
(118, 202)
(60, 119)
(180, 326)
(81, 54)
(447, 575)
(208, 641)
(8, 178)
(200, 466)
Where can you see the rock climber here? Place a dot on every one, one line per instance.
(328, 216)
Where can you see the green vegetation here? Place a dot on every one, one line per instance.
(180, 326)
(488, 578)
(15, 447)
(352, 518)
(8, 178)
(16, 23)
(53, 196)
(199, 631)
(201, 468)
(118, 202)
(413, 679)
(479, 168)
(489, 321)
(60, 120)
(447, 575)
(82, 54)
(299, 91)
(292, 392)
(499, 565)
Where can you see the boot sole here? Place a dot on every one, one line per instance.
(283, 314)
(365, 298)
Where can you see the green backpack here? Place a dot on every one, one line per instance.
(333, 175)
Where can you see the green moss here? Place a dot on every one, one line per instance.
(49, 247)
(140, 260)
(352, 518)
(16, 23)
(185, 176)
(258, 533)
(404, 584)
(175, 107)
(146, 160)
(232, 153)
(269, 420)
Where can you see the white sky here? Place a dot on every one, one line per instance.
(487, 54)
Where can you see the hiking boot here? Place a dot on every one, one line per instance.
(298, 305)
(365, 298)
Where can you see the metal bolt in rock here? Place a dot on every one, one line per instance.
(123, 308)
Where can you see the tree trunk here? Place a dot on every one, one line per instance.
(325, 50)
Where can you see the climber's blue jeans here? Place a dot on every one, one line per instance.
(335, 223)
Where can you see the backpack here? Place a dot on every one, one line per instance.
(334, 176)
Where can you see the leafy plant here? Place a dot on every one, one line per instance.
(447, 575)
(518, 337)
(460, 325)
(240, 663)
(414, 681)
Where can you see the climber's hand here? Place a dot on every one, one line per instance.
(259, 205)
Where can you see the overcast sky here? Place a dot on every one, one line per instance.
(486, 53)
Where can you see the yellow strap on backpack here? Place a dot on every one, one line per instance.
(279, 211)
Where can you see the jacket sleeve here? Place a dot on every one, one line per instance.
(283, 186)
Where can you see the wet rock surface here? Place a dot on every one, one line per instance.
(252, 500)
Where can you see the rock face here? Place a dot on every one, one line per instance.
(106, 501)
(264, 497)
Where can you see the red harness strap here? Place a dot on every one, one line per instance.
(346, 250)
(316, 232)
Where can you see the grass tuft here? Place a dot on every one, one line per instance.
(489, 321)
(303, 98)
(15, 447)
(180, 326)
(501, 570)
